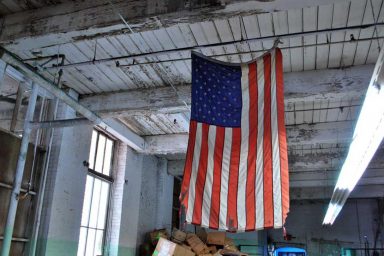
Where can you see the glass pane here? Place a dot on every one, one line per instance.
(100, 154)
(90, 242)
(99, 243)
(95, 203)
(82, 240)
(87, 201)
(103, 205)
(92, 151)
(108, 157)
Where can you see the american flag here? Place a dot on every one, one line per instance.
(236, 168)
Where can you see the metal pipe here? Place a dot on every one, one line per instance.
(8, 230)
(157, 53)
(3, 67)
(135, 142)
(59, 123)
(17, 239)
(5, 185)
(250, 52)
(19, 99)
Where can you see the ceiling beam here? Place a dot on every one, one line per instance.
(311, 193)
(71, 21)
(331, 84)
(316, 165)
(303, 134)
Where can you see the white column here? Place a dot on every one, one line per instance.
(117, 198)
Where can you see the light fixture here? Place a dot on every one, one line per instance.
(368, 134)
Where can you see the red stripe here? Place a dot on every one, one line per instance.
(251, 175)
(233, 180)
(284, 172)
(216, 185)
(201, 176)
(188, 167)
(267, 149)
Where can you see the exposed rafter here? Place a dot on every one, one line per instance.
(299, 87)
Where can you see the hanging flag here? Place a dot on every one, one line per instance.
(236, 168)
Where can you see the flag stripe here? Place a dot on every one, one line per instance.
(275, 149)
(195, 165)
(225, 179)
(216, 185)
(233, 179)
(284, 173)
(201, 175)
(188, 166)
(243, 166)
(260, 146)
(268, 196)
(209, 177)
(251, 175)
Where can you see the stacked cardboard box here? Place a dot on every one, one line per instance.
(200, 244)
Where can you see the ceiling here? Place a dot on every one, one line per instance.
(318, 38)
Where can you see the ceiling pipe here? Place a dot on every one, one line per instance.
(157, 53)
(114, 128)
(251, 52)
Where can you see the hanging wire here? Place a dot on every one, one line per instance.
(375, 25)
(158, 69)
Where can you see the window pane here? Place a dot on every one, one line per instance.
(82, 241)
(99, 243)
(108, 157)
(90, 242)
(103, 205)
(95, 203)
(92, 151)
(100, 154)
(87, 201)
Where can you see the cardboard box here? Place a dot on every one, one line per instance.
(178, 235)
(197, 245)
(212, 249)
(216, 238)
(230, 245)
(231, 253)
(157, 234)
(165, 247)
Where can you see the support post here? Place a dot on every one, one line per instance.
(8, 230)
(3, 67)
(117, 198)
(19, 99)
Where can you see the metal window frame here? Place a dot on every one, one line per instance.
(103, 178)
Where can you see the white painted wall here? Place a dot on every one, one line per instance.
(147, 201)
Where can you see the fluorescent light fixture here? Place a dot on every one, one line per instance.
(368, 134)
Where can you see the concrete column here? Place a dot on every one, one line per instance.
(120, 162)
(164, 196)
(128, 240)
(66, 178)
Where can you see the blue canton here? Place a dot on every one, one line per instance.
(216, 93)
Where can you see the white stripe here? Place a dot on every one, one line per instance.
(195, 167)
(224, 178)
(243, 164)
(209, 177)
(277, 215)
(260, 146)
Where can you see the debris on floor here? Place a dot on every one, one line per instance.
(191, 244)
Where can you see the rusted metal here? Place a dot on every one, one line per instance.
(8, 229)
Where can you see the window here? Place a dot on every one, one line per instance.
(96, 196)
